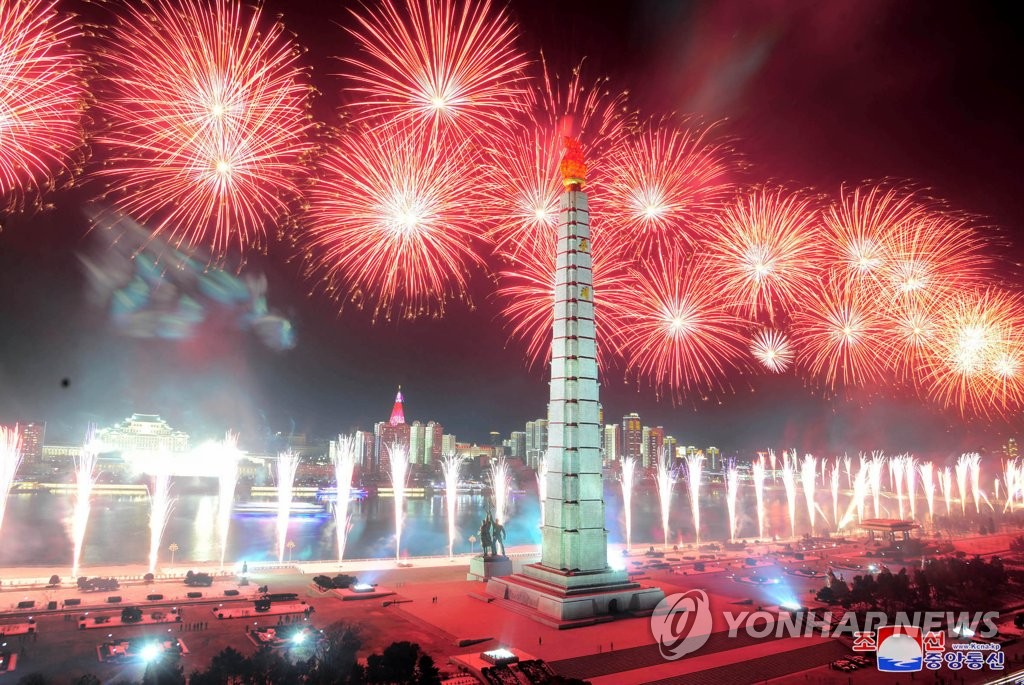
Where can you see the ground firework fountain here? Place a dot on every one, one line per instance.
(834, 484)
(287, 463)
(666, 481)
(974, 463)
(807, 476)
(946, 486)
(628, 473)
(227, 480)
(789, 482)
(897, 474)
(911, 472)
(732, 490)
(963, 468)
(451, 467)
(85, 478)
(160, 506)
(399, 457)
(501, 484)
(694, 466)
(10, 459)
(344, 467)
(847, 465)
(875, 480)
(927, 471)
(758, 469)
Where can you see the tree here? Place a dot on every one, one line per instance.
(87, 679)
(402, 662)
(54, 580)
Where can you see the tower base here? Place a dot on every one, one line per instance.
(485, 568)
(570, 600)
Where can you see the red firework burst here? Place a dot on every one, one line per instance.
(527, 286)
(839, 333)
(861, 225)
(446, 65)
(666, 184)
(522, 167)
(207, 120)
(910, 334)
(977, 362)
(678, 332)
(772, 349)
(393, 222)
(767, 250)
(41, 97)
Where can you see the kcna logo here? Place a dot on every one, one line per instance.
(681, 623)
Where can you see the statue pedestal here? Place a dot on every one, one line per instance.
(485, 568)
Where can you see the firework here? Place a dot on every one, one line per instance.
(963, 470)
(392, 222)
(451, 467)
(10, 460)
(678, 333)
(85, 479)
(694, 465)
(859, 228)
(227, 479)
(160, 505)
(789, 482)
(834, 486)
(344, 467)
(875, 480)
(666, 481)
(206, 118)
(837, 334)
(758, 476)
(399, 458)
(976, 367)
(772, 349)
(287, 463)
(628, 474)
(666, 185)
(732, 489)
(808, 469)
(446, 66)
(847, 464)
(42, 97)
(766, 251)
(908, 340)
(897, 472)
(946, 487)
(910, 472)
(974, 466)
(501, 484)
(927, 472)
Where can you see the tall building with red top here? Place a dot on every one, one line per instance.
(386, 434)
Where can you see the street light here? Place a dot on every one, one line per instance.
(472, 543)
(172, 549)
(290, 545)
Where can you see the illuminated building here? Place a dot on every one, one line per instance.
(32, 436)
(536, 441)
(517, 445)
(611, 442)
(433, 442)
(632, 436)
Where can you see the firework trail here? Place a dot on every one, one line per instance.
(823, 465)
(628, 475)
(85, 479)
(10, 460)
(859, 227)
(974, 464)
(808, 471)
(772, 349)
(789, 482)
(847, 463)
(543, 465)
(861, 487)
(227, 479)
(758, 476)
(666, 481)
(399, 457)
(667, 184)
(206, 121)
(911, 474)
(392, 222)
(1011, 481)
(41, 79)
(344, 468)
(927, 471)
(834, 483)
(767, 251)
(897, 472)
(447, 67)
(946, 486)
(451, 467)
(287, 463)
(160, 505)
(694, 466)
(732, 489)
(963, 472)
(501, 483)
(774, 461)
(875, 466)
(909, 338)
(678, 333)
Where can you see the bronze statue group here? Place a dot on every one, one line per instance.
(492, 535)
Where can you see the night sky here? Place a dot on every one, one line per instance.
(814, 94)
